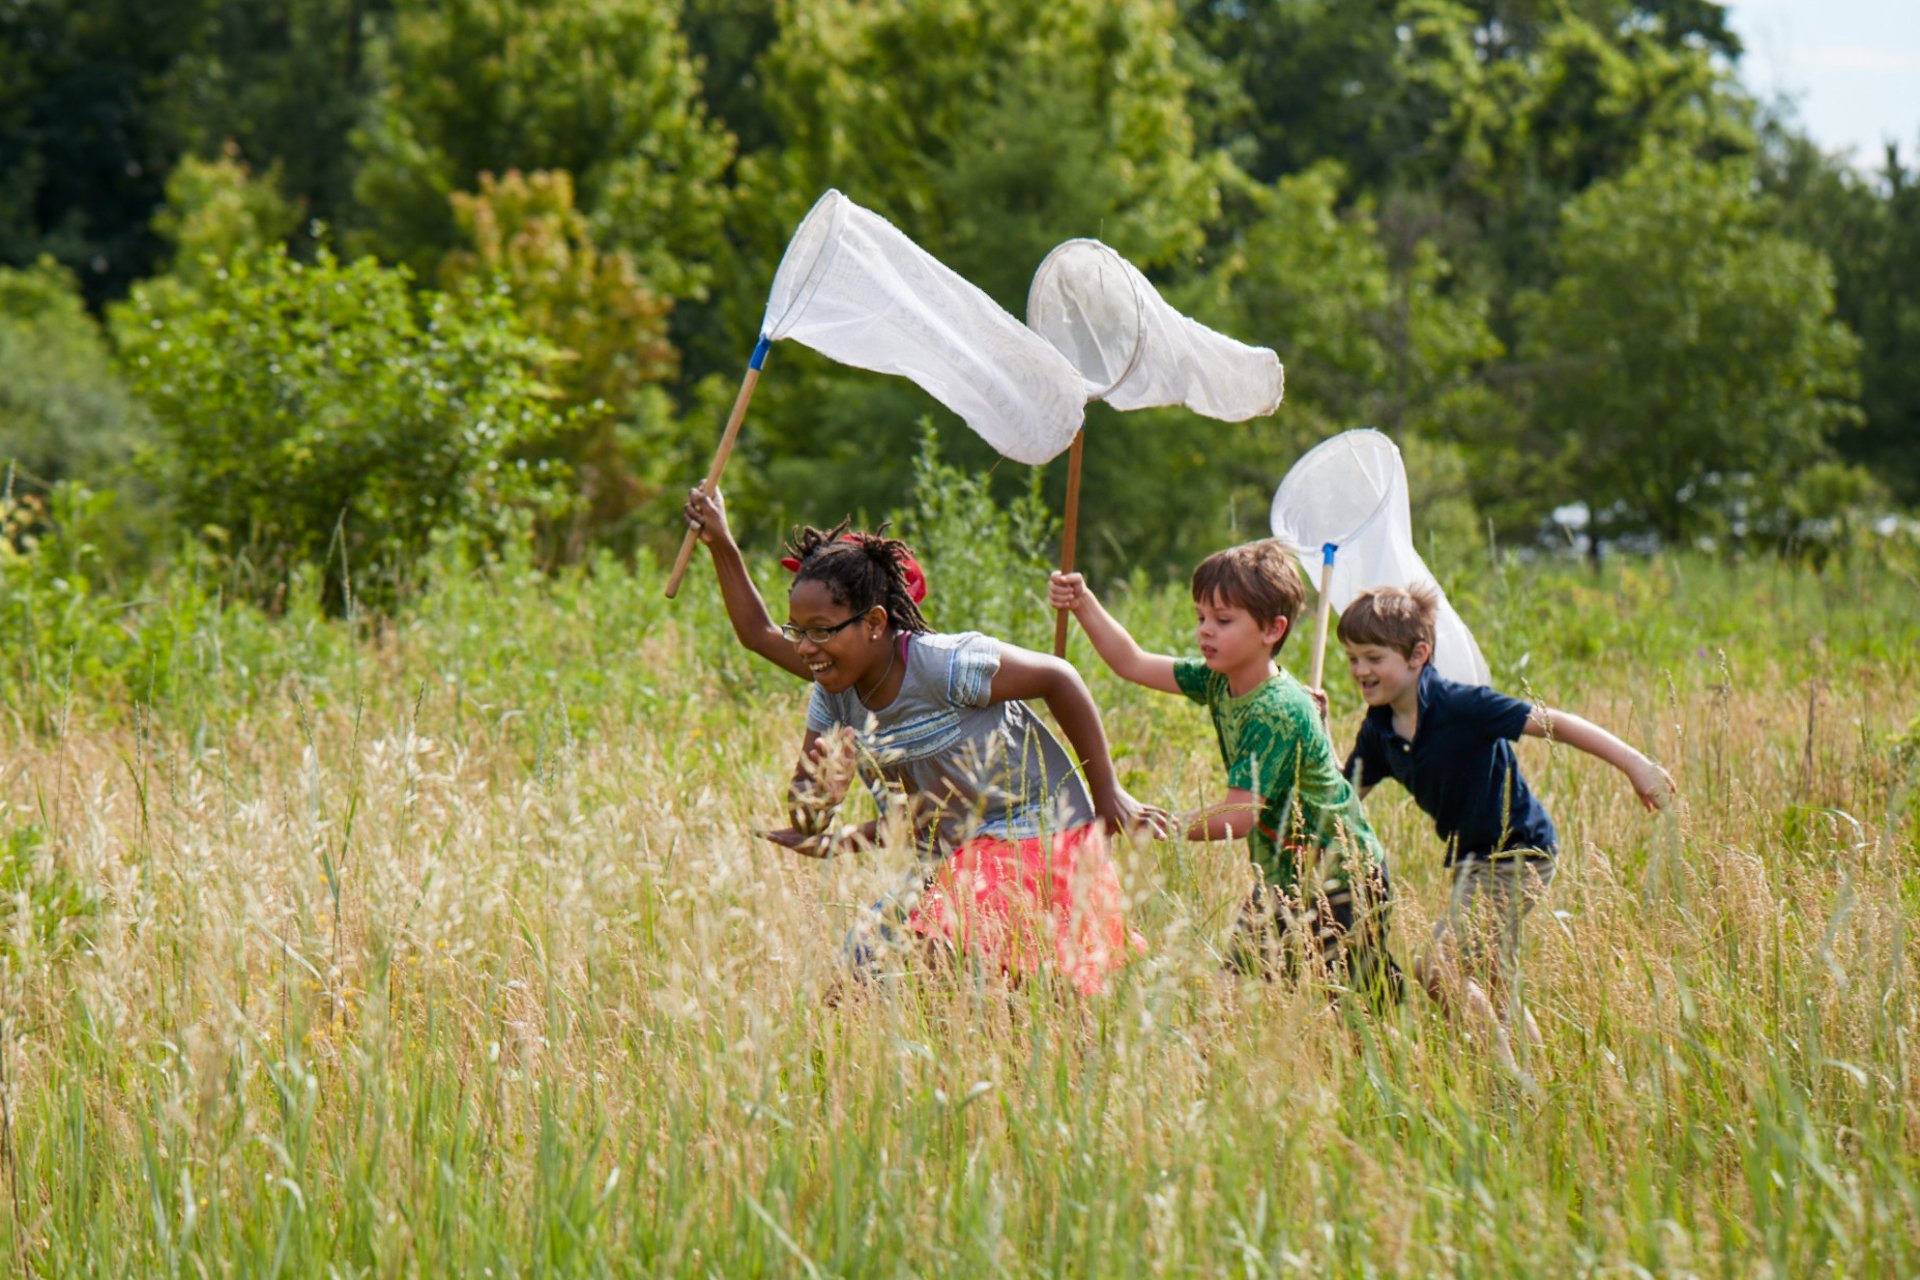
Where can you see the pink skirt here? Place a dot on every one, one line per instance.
(1025, 904)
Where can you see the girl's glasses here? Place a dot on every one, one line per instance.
(819, 635)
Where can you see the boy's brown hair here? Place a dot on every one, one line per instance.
(1396, 618)
(1256, 576)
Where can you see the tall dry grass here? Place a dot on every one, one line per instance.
(453, 953)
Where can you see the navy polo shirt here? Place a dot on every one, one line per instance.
(1460, 767)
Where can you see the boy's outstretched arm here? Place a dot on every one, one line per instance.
(1024, 674)
(1228, 819)
(1119, 650)
(752, 624)
(1654, 785)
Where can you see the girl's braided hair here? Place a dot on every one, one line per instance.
(859, 570)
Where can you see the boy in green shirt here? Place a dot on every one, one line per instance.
(1322, 875)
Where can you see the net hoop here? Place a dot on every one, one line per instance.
(1297, 478)
(805, 264)
(1052, 326)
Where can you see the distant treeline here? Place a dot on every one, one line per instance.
(315, 280)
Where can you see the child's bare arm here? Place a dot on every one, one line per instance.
(1228, 819)
(1650, 782)
(826, 843)
(1024, 674)
(821, 777)
(1118, 649)
(753, 626)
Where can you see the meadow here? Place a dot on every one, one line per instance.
(439, 943)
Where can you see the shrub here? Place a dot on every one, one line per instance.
(64, 414)
(326, 413)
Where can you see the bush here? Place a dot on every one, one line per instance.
(61, 630)
(325, 413)
(64, 414)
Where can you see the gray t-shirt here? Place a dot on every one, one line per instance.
(970, 766)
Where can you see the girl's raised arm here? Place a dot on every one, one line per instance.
(752, 624)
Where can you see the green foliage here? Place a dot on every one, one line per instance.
(988, 132)
(283, 84)
(65, 413)
(986, 563)
(325, 412)
(1507, 105)
(523, 232)
(1689, 355)
(1389, 192)
(1869, 228)
(83, 151)
(217, 210)
(61, 615)
(524, 237)
(603, 89)
(1373, 330)
(59, 910)
(79, 627)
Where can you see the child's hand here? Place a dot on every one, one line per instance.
(707, 516)
(833, 761)
(1654, 785)
(1319, 697)
(1068, 591)
(1121, 812)
(807, 846)
(820, 783)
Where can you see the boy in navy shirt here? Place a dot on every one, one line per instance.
(1451, 745)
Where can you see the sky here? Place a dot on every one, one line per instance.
(1851, 66)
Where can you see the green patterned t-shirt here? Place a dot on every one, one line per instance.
(1273, 745)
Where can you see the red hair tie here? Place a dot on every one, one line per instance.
(909, 567)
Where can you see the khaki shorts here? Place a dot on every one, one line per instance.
(1342, 933)
(1489, 899)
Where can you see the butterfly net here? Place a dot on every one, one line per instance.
(1351, 491)
(1134, 350)
(853, 287)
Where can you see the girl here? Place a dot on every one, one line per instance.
(938, 722)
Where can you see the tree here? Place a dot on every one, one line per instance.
(603, 89)
(1688, 358)
(1869, 228)
(1374, 332)
(609, 330)
(284, 85)
(216, 210)
(1495, 112)
(83, 151)
(988, 132)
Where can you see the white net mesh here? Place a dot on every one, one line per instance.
(853, 287)
(1137, 352)
(1351, 491)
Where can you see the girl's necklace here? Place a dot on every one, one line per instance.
(893, 651)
